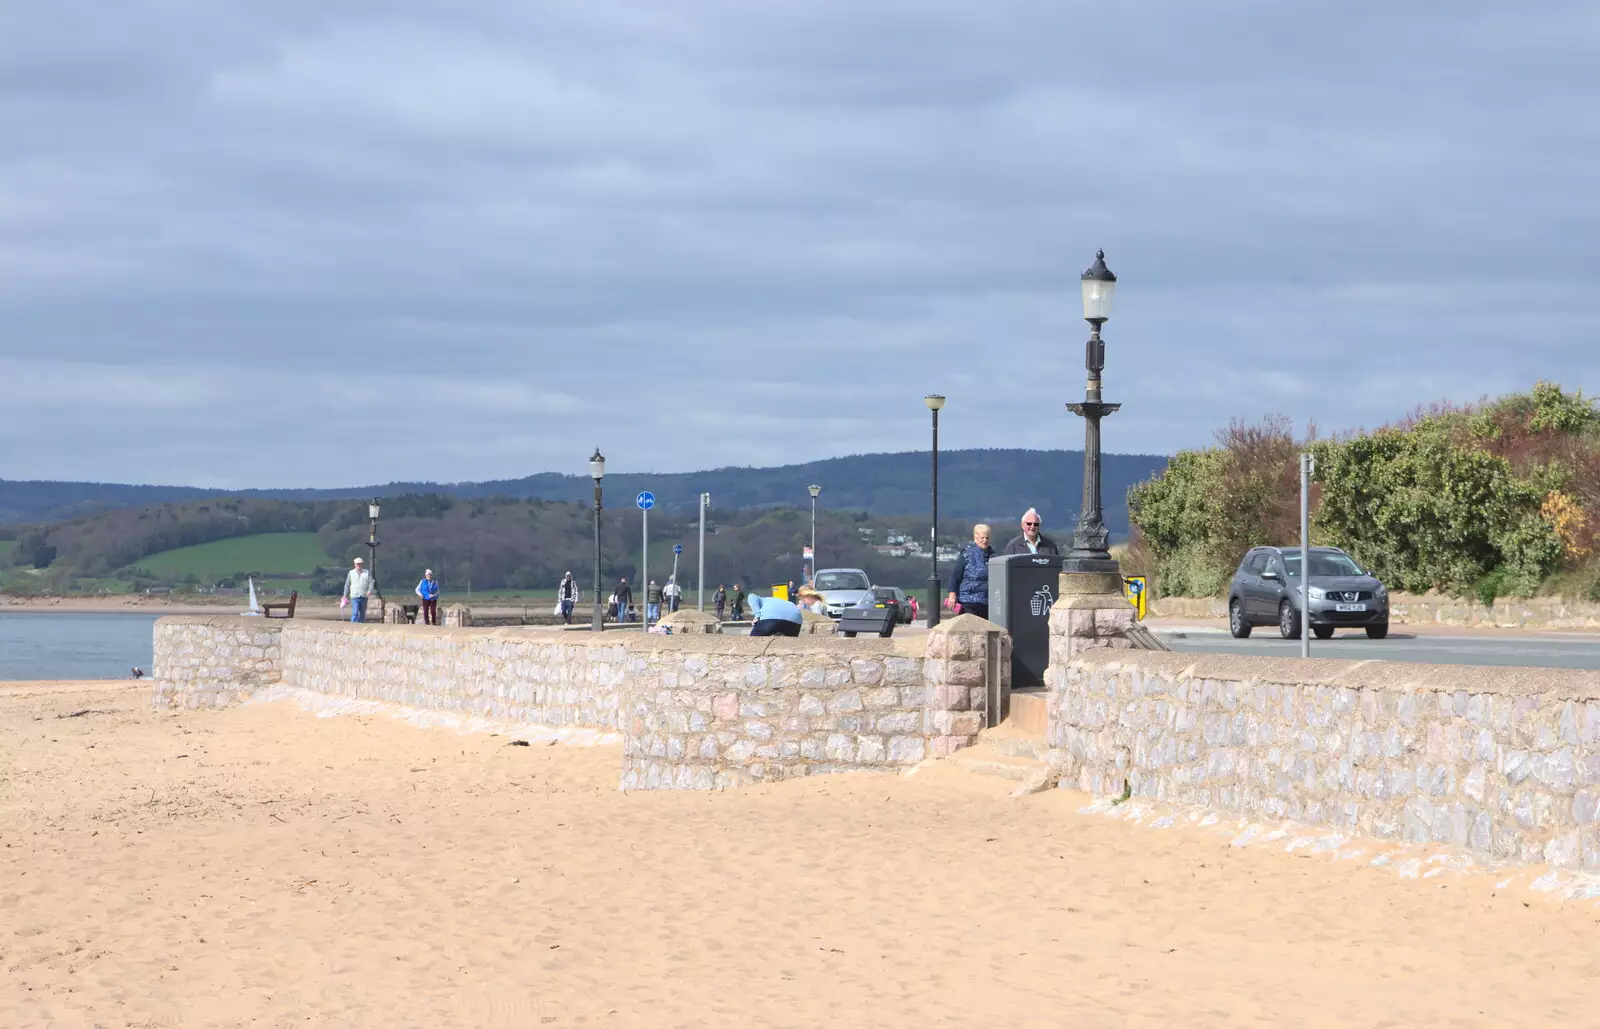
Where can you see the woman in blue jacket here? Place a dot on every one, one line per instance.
(969, 579)
(428, 590)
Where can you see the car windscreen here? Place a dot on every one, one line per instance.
(841, 581)
(1323, 564)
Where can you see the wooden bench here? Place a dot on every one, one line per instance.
(285, 607)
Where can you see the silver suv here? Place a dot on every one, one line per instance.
(1266, 591)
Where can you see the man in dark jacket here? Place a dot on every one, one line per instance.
(1032, 541)
(624, 599)
(720, 598)
(738, 602)
(969, 577)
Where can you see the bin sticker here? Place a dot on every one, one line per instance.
(1133, 586)
(1042, 601)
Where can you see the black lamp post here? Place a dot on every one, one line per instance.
(372, 545)
(1089, 550)
(934, 401)
(597, 471)
(815, 491)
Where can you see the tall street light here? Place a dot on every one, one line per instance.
(814, 491)
(1089, 551)
(597, 471)
(372, 545)
(934, 401)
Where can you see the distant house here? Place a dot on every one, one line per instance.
(898, 538)
(888, 551)
(157, 590)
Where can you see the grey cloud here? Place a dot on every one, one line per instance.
(672, 230)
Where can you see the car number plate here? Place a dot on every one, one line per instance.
(1349, 607)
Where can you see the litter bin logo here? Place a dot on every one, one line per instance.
(1042, 601)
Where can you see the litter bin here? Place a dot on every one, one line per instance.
(1022, 589)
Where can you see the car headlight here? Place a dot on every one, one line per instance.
(1382, 591)
(1317, 593)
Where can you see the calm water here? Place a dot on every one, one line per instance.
(47, 645)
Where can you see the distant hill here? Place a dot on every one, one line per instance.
(998, 484)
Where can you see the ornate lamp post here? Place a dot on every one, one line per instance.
(1089, 551)
(372, 545)
(814, 491)
(935, 402)
(597, 471)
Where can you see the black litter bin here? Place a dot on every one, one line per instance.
(1022, 589)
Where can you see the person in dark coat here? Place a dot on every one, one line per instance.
(720, 598)
(738, 602)
(969, 577)
(1032, 540)
(624, 599)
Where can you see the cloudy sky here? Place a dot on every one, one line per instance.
(300, 243)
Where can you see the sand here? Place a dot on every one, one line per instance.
(264, 867)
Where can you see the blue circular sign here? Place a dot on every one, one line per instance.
(677, 548)
(645, 500)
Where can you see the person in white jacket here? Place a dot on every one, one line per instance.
(357, 588)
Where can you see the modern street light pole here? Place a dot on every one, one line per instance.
(935, 402)
(597, 471)
(705, 502)
(372, 546)
(1089, 544)
(814, 491)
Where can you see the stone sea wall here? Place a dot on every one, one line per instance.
(1502, 761)
(696, 710)
(214, 661)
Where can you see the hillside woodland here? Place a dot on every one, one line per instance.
(1501, 497)
(974, 484)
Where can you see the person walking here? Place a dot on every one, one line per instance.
(969, 577)
(774, 617)
(428, 590)
(738, 602)
(567, 596)
(720, 599)
(673, 594)
(624, 600)
(1032, 540)
(792, 593)
(357, 588)
(652, 602)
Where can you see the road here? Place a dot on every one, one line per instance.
(1418, 644)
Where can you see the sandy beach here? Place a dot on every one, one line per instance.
(261, 866)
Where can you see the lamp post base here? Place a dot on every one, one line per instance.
(933, 601)
(1092, 563)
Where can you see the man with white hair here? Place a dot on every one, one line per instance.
(1032, 541)
(357, 588)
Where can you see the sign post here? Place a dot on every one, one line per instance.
(677, 549)
(646, 500)
(705, 502)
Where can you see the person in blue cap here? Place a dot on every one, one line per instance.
(774, 617)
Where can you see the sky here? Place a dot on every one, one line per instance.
(286, 243)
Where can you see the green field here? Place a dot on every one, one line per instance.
(5, 549)
(268, 553)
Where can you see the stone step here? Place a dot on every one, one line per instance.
(1006, 739)
(985, 760)
(1029, 712)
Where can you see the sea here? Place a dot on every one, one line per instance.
(76, 645)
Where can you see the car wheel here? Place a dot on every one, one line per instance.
(1288, 621)
(1377, 632)
(1236, 623)
(1322, 632)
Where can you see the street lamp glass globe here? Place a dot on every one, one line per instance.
(597, 465)
(934, 401)
(815, 491)
(1098, 285)
(372, 510)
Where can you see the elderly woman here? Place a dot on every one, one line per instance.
(969, 579)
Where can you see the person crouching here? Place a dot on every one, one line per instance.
(774, 617)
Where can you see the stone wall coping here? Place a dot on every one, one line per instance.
(700, 643)
(1555, 683)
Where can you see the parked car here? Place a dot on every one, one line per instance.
(891, 596)
(1266, 591)
(842, 588)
